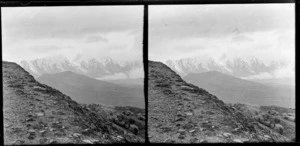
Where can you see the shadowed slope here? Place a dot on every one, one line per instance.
(84, 89)
(232, 90)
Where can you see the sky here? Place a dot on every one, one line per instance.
(94, 31)
(266, 31)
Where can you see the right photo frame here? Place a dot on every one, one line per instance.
(221, 73)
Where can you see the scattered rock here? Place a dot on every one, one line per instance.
(235, 129)
(170, 141)
(42, 131)
(178, 125)
(43, 141)
(237, 141)
(51, 141)
(38, 88)
(120, 137)
(180, 104)
(189, 113)
(203, 141)
(158, 125)
(37, 126)
(188, 126)
(30, 116)
(76, 134)
(94, 140)
(181, 136)
(19, 142)
(194, 140)
(227, 134)
(31, 136)
(267, 137)
(39, 114)
(191, 131)
(209, 133)
(61, 113)
(88, 141)
(187, 99)
(166, 128)
(60, 134)
(179, 114)
(181, 131)
(178, 119)
(31, 131)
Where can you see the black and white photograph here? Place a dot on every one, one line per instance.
(149, 72)
(221, 73)
(73, 75)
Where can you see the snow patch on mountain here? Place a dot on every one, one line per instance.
(89, 66)
(250, 67)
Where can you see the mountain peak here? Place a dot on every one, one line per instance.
(236, 66)
(85, 65)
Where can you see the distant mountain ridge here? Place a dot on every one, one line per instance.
(231, 89)
(237, 67)
(92, 67)
(84, 89)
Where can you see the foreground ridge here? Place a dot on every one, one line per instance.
(180, 112)
(38, 114)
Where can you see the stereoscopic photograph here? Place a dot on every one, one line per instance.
(73, 75)
(148, 72)
(221, 73)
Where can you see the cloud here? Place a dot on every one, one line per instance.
(95, 31)
(115, 76)
(241, 38)
(94, 39)
(265, 31)
(170, 22)
(43, 48)
(68, 22)
(286, 72)
(132, 74)
(136, 73)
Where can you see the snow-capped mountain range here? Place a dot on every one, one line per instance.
(105, 68)
(238, 67)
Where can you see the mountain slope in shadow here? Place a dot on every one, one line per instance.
(87, 90)
(232, 90)
(35, 113)
(179, 112)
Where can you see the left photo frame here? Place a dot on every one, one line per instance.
(73, 75)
